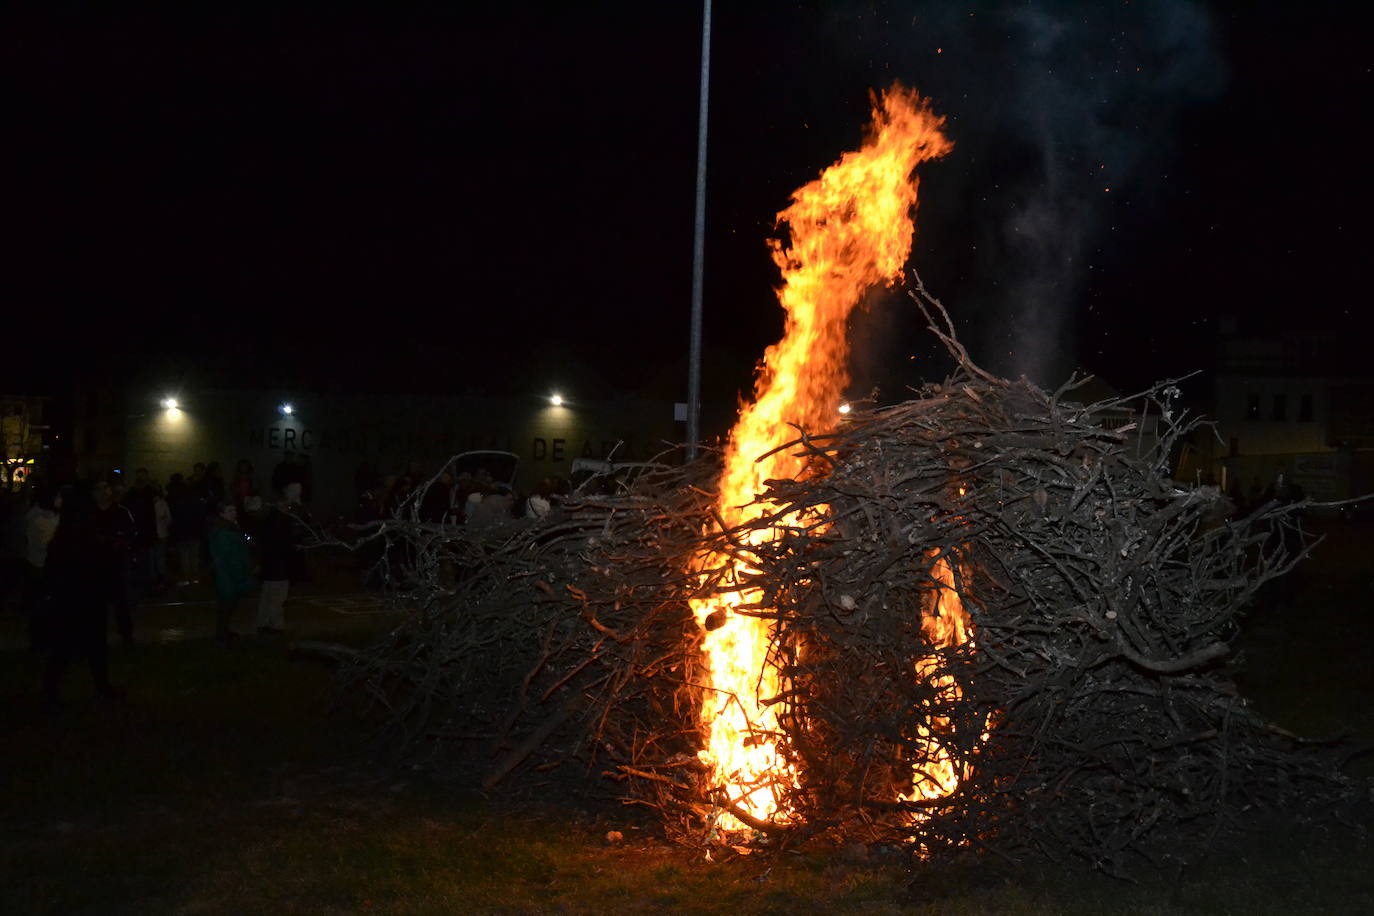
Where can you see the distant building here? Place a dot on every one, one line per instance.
(22, 445)
(339, 435)
(1300, 406)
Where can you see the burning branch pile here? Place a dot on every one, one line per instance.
(1000, 623)
(996, 624)
(984, 619)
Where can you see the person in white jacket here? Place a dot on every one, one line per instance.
(162, 519)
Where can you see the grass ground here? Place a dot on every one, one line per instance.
(233, 780)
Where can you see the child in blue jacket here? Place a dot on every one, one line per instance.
(233, 566)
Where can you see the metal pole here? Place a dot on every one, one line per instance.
(699, 247)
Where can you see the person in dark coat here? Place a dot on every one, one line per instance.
(293, 468)
(215, 487)
(116, 532)
(435, 506)
(40, 525)
(77, 578)
(278, 549)
(188, 527)
(140, 499)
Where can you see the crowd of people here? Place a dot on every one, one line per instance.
(81, 554)
(88, 551)
(472, 498)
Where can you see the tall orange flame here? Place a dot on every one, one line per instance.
(850, 229)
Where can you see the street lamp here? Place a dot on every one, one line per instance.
(698, 244)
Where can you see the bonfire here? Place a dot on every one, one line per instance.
(982, 621)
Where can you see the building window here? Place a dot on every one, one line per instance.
(1305, 409)
(1280, 407)
(1252, 407)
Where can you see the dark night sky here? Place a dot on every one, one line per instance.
(452, 200)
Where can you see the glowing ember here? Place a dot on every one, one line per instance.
(850, 229)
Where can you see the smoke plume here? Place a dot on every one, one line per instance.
(1064, 117)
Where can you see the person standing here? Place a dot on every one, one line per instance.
(199, 488)
(40, 525)
(79, 589)
(162, 524)
(288, 471)
(438, 498)
(139, 499)
(247, 498)
(115, 532)
(277, 546)
(215, 488)
(541, 500)
(243, 484)
(188, 527)
(14, 508)
(233, 567)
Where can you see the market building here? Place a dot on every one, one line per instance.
(337, 435)
(1298, 408)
